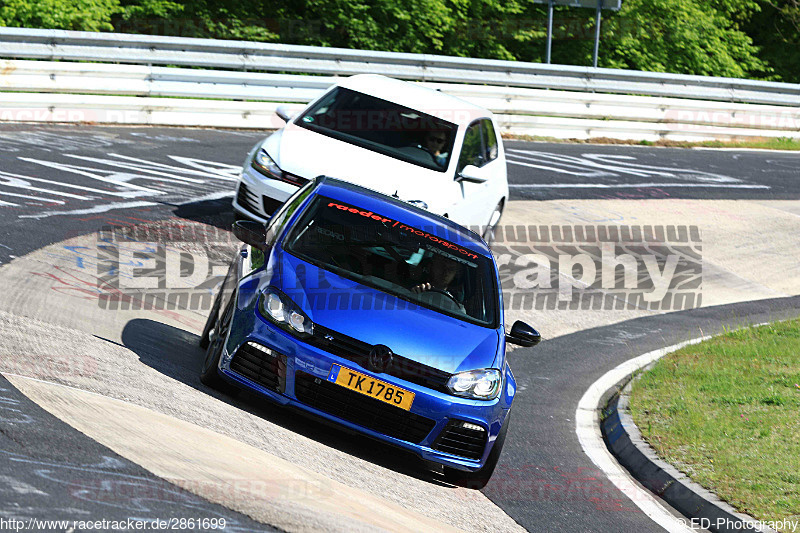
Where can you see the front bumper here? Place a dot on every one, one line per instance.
(258, 196)
(303, 367)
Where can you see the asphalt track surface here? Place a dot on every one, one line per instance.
(50, 471)
(540, 171)
(88, 178)
(552, 485)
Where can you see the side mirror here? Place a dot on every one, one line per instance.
(252, 233)
(471, 174)
(523, 335)
(284, 112)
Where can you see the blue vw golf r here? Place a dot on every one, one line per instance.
(373, 314)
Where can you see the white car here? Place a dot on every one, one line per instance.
(402, 139)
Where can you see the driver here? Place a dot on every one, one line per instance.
(434, 143)
(443, 278)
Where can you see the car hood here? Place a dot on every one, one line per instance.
(419, 334)
(309, 154)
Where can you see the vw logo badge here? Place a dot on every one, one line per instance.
(380, 358)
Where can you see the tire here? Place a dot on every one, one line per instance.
(478, 479)
(494, 220)
(211, 320)
(209, 375)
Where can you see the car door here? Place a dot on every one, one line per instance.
(493, 169)
(476, 201)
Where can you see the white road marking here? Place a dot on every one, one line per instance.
(595, 174)
(69, 185)
(660, 171)
(28, 197)
(787, 152)
(218, 170)
(196, 164)
(156, 175)
(19, 182)
(588, 429)
(590, 166)
(20, 487)
(608, 166)
(112, 177)
(91, 210)
(630, 185)
(131, 178)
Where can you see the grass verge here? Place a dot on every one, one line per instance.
(764, 143)
(727, 413)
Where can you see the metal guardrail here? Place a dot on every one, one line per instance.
(267, 57)
(546, 100)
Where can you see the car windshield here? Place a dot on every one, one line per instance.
(424, 266)
(382, 127)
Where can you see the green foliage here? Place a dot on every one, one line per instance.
(736, 38)
(776, 30)
(684, 36)
(463, 28)
(88, 15)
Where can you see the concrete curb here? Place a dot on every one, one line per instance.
(625, 442)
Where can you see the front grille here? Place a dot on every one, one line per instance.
(270, 205)
(360, 409)
(462, 441)
(267, 368)
(358, 351)
(247, 198)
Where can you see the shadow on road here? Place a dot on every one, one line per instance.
(218, 213)
(176, 354)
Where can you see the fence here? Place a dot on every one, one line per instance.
(63, 76)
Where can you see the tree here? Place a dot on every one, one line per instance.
(776, 30)
(88, 15)
(684, 36)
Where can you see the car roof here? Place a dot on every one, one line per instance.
(416, 96)
(406, 213)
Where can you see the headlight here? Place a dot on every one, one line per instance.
(481, 384)
(283, 312)
(264, 164)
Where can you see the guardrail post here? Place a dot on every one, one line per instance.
(549, 28)
(597, 33)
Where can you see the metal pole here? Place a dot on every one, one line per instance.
(549, 28)
(597, 32)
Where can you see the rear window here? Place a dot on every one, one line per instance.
(422, 267)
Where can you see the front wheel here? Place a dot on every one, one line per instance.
(209, 375)
(494, 220)
(478, 479)
(211, 321)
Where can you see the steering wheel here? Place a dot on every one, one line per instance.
(426, 151)
(445, 293)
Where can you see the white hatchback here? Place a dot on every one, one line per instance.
(402, 139)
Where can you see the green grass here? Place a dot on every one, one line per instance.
(764, 143)
(727, 413)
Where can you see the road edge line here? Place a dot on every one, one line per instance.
(614, 388)
(587, 426)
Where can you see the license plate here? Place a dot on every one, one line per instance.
(374, 388)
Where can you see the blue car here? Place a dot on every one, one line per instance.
(373, 314)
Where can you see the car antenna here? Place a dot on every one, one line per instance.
(395, 194)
